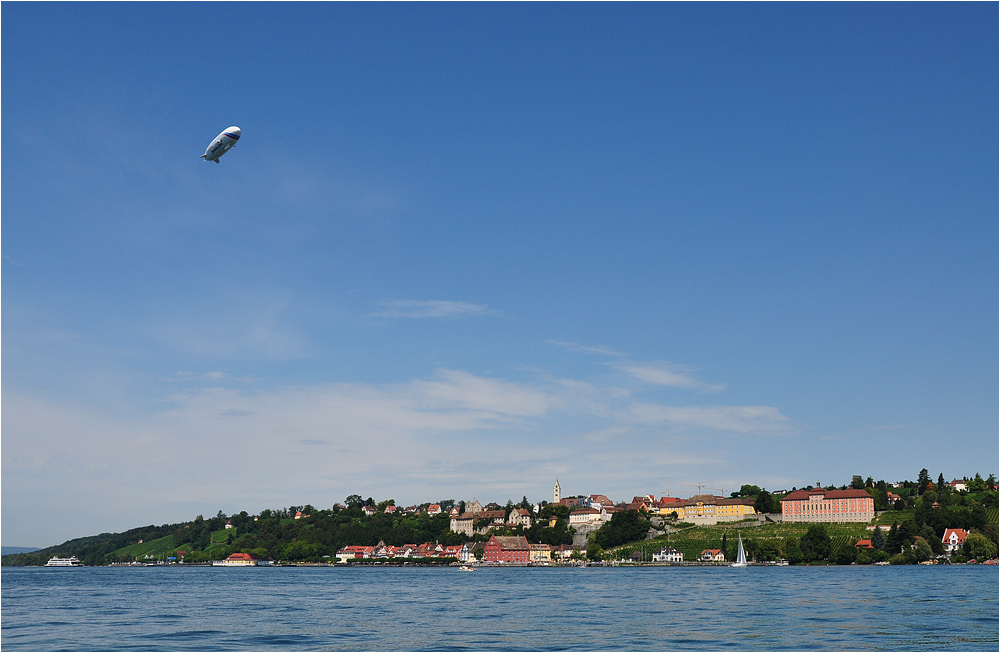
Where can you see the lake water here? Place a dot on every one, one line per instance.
(758, 608)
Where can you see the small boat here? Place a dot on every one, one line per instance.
(466, 568)
(71, 561)
(741, 557)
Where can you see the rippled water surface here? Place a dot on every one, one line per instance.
(769, 608)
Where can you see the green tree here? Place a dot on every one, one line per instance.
(353, 501)
(923, 478)
(765, 503)
(595, 552)
(844, 554)
(815, 544)
(892, 543)
(857, 483)
(625, 526)
(791, 551)
(922, 550)
(979, 547)
(878, 539)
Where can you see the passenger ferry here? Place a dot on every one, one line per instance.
(71, 561)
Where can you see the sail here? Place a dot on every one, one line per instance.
(741, 556)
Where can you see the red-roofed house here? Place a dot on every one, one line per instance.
(349, 553)
(953, 539)
(434, 509)
(864, 544)
(598, 501)
(390, 510)
(507, 550)
(520, 517)
(713, 555)
(238, 560)
(819, 505)
(958, 485)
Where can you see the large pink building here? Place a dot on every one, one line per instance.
(821, 505)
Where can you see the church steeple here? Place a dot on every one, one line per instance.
(556, 493)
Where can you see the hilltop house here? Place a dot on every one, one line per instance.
(584, 516)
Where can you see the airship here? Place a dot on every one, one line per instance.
(222, 144)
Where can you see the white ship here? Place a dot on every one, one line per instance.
(71, 561)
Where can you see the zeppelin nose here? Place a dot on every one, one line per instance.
(233, 131)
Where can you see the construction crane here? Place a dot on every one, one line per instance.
(719, 489)
(697, 485)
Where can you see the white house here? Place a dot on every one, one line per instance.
(584, 516)
(668, 554)
(953, 539)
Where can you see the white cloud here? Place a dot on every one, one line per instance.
(433, 308)
(738, 419)
(454, 434)
(584, 349)
(668, 374)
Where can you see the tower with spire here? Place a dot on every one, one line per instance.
(556, 493)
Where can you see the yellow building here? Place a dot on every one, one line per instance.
(541, 553)
(735, 509)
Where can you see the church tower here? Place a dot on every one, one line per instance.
(556, 493)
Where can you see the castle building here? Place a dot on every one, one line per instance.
(819, 505)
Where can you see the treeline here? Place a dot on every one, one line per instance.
(276, 534)
(91, 550)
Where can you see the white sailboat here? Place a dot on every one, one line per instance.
(741, 556)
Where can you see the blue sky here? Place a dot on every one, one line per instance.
(462, 250)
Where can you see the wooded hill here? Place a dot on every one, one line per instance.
(276, 534)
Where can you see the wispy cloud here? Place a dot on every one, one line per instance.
(432, 308)
(738, 419)
(668, 374)
(435, 436)
(584, 349)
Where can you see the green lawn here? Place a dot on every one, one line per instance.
(221, 536)
(149, 547)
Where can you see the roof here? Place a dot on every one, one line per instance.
(704, 498)
(511, 543)
(737, 501)
(961, 534)
(714, 552)
(865, 543)
(803, 495)
(485, 514)
(585, 511)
